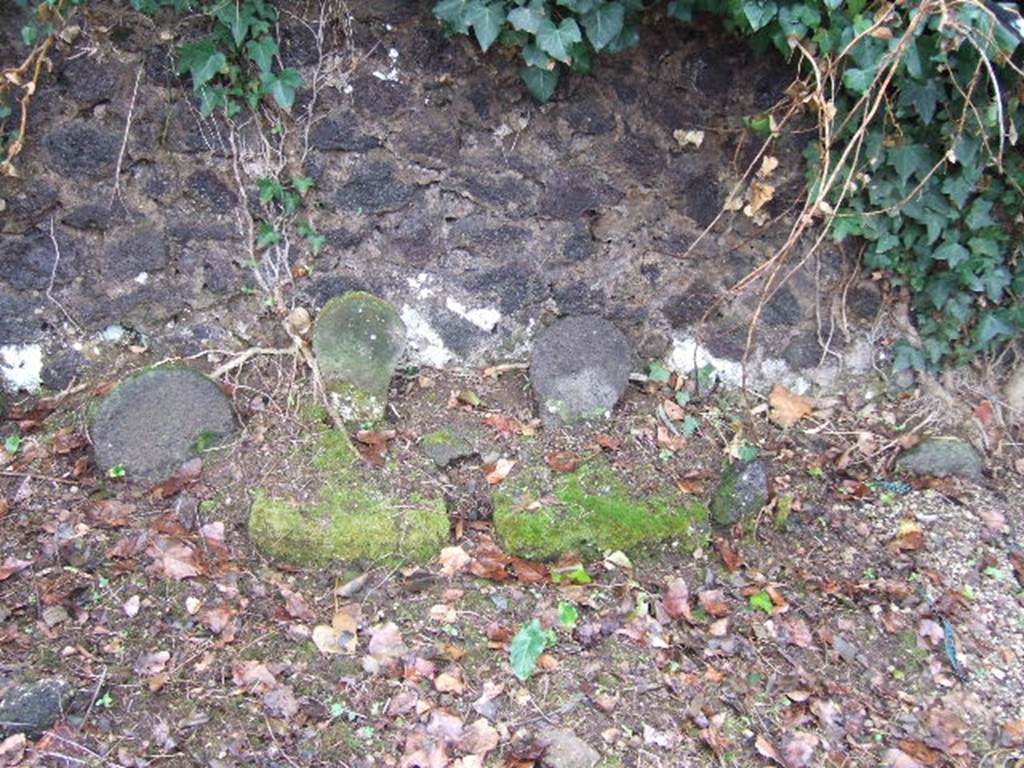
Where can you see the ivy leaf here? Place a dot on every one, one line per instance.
(859, 80)
(282, 86)
(604, 24)
(527, 19)
(453, 13)
(487, 21)
(526, 648)
(268, 235)
(992, 327)
(578, 7)
(952, 253)
(555, 41)
(540, 82)
(910, 159)
(759, 13)
(262, 52)
(978, 216)
(535, 57)
(681, 10)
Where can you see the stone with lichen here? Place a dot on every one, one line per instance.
(358, 340)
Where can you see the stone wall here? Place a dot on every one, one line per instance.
(440, 185)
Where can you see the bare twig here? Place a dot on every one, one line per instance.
(116, 193)
(53, 279)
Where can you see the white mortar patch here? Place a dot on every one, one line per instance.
(688, 354)
(22, 366)
(486, 318)
(425, 345)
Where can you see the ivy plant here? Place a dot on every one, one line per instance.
(236, 63)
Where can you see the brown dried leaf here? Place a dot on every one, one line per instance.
(562, 461)
(254, 676)
(454, 560)
(479, 738)
(677, 599)
(787, 408)
(280, 702)
(798, 749)
(11, 566)
(152, 663)
(713, 601)
(498, 471)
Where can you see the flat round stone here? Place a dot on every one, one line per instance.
(153, 422)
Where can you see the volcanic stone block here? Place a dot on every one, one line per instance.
(579, 369)
(358, 340)
(155, 421)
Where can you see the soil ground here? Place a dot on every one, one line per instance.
(188, 648)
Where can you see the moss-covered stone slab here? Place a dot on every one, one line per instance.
(540, 515)
(742, 492)
(153, 422)
(358, 340)
(350, 519)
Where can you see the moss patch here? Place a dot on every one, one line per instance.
(541, 516)
(351, 519)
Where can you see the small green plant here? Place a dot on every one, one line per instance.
(527, 646)
(568, 615)
(12, 444)
(106, 701)
(234, 65)
(117, 472)
(761, 601)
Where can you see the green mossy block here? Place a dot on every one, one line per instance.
(351, 519)
(358, 340)
(542, 516)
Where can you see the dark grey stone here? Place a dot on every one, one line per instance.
(32, 709)
(783, 309)
(18, 322)
(514, 285)
(579, 369)
(564, 749)
(298, 46)
(447, 445)
(687, 309)
(26, 262)
(155, 421)
(702, 197)
(589, 117)
(571, 195)
(943, 457)
(864, 300)
(28, 203)
(506, 192)
(578, 298)
(62, 369)
(380, 98)
(579, 247)
(338, 133)
(373, 189)
(742, 492)
(431, 140)
(88, 81)
(142, 251)
(94, 216)
(804, 351)
(79, 149)
(207, 187)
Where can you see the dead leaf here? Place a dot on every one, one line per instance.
(910, 536)
(798, 749)
(787, 408)
(920, 752)
(280, 702)
(796, 632)
(688, 138)
(1012, 733)
(768, 166)
(499, 470)
(152, 663)
(766, 749)
(131, 606)
(12, 749)
(562, 461)
(450, 682)
(218, 619)
(454, 560)
(254, 676)
(609, 443)
(341, 636)
(295, 606)
(386, 642)
(479, 738)
(186, 474)
(677, 599)
(713, 601)
(728, 553)
(673, 410)
(670, 440)
(11, 566)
